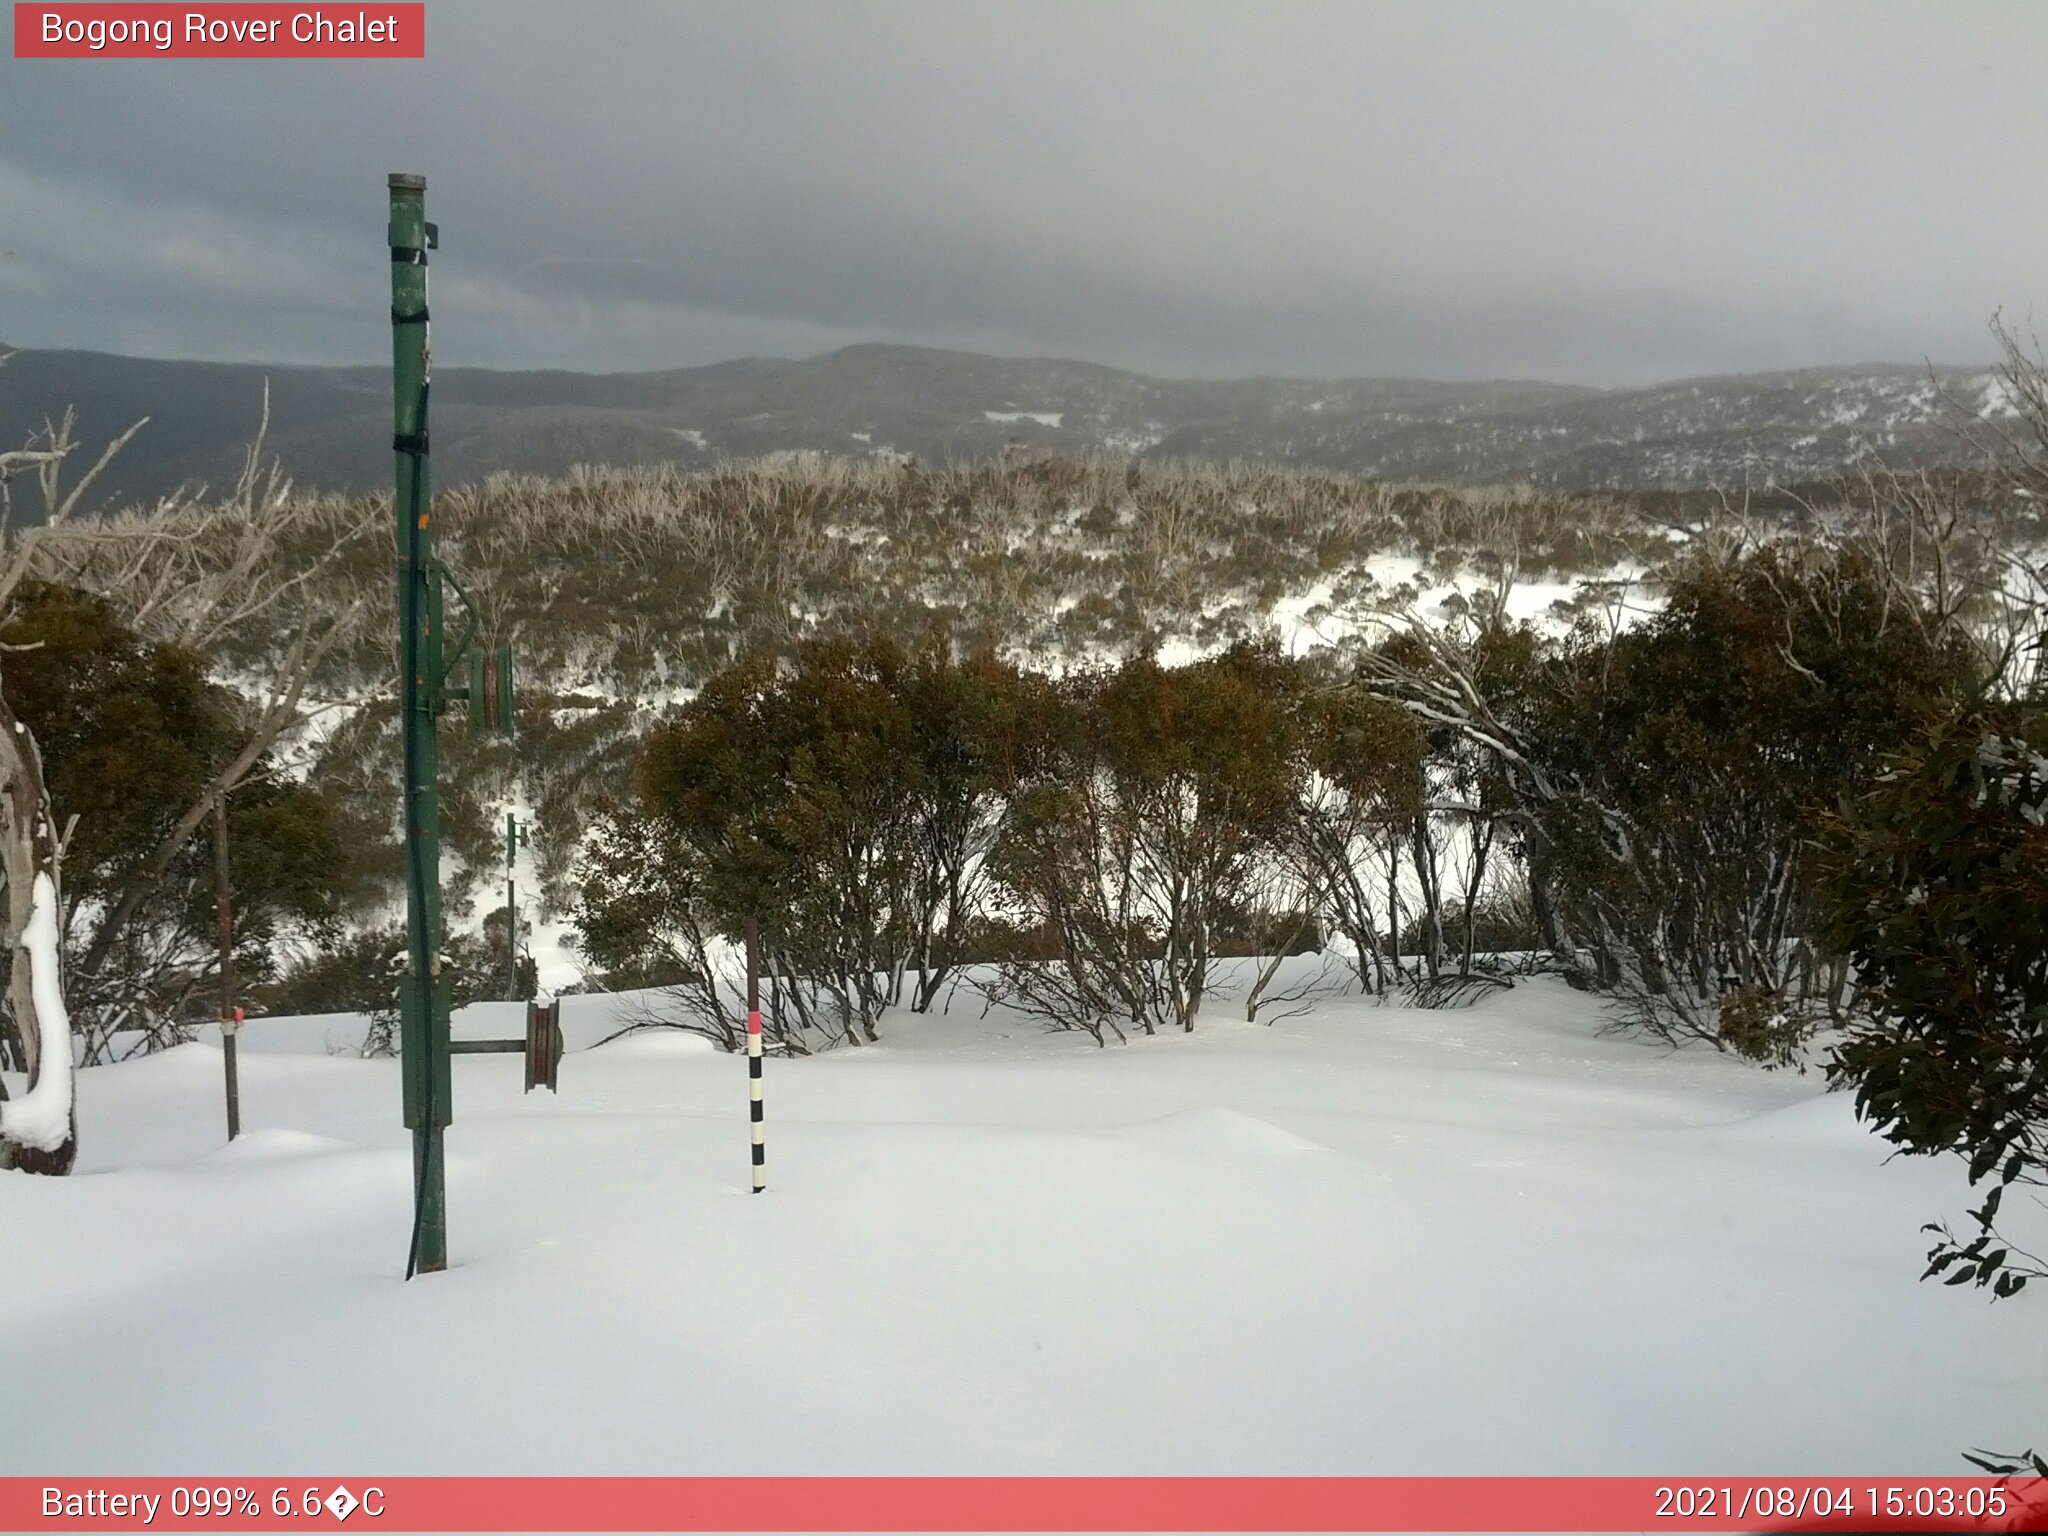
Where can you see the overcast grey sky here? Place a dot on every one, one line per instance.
(1600, 193)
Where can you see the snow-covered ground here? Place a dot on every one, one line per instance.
(1362, 1240)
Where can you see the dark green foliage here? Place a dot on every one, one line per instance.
(1139, 829)
(1660, 784)
(132, 734)
(886, 814)
(129, 732)
(1938, 891)
(1756, 1023)
(1691, 757)
(1797, 665)
(842, 801)
(1363, 787)
(641, 913)
(359, 972)
(973, 727)
(1493, 925)
(794, 795)
(356, 972)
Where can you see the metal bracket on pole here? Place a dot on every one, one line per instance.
(543, 1044)
(490, 691)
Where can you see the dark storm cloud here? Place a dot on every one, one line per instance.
(1588, 192)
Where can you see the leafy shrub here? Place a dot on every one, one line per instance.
(1693, 756)
(1500, 923)
(132, 733)
(361, 971)
(1937, 876)
(843, 802)
(1764, 1026)
(1137, 832)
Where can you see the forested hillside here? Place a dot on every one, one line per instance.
(1744, 432)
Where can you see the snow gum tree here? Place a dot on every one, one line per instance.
(643, 922)
(969, 723)
(132, 733)
(1142, 829)
(1362, 790)
(1664, 781)
(845, 801)
(830, 869)
(1935, 869)
(1937, 878)
(1704, 745)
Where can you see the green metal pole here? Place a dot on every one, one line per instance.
(230, 1015)
(423, 1048)
(511, 907)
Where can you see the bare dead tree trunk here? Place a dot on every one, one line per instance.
(31, 849)
(30, 853)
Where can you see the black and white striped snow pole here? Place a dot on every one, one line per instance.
(754, 1110)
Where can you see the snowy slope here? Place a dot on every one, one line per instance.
(1362, 1240)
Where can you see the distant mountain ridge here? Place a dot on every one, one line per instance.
(331, 425)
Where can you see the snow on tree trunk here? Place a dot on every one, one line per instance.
(42, 1119)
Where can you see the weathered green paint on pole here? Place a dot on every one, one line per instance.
(423, 1015)
(514, 836)
(230, 1015)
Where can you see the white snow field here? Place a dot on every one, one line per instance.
(1364, 1240)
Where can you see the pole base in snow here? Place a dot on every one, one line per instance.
(229, 1029)
(430, 1210)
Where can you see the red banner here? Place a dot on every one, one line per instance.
(113, 31)
(1024, 1504)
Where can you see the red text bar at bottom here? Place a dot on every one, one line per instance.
(1507, 1504)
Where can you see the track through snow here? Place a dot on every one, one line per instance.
(1363, 1240)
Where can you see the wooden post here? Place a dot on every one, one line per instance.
(230, 1015)
(754, 1109)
